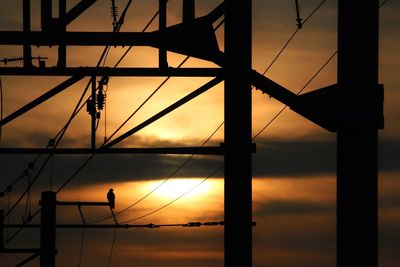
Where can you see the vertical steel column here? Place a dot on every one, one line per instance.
(62, 49)
(162, 52)
(1, 229)
(46, 14)
(188, 11)
(48, 229)
(357, 170)
(92, 113)
(26, 13)
(238, 135)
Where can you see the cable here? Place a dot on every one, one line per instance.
(163, 182)
(276, 116)
(166, 205)
(92, 155)
(82, 244)
(176, 199)
(61, 133)
(383, 3)
(112, 247)
(145, 101)
(84, 164)
(130, 47)
(293, 35)
(307, 83)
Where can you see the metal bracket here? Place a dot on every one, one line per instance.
(330, 107)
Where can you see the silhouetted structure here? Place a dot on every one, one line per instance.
(352, 108)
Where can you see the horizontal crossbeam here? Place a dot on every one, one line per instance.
(210, 150)
(82, 203)
(106, 71)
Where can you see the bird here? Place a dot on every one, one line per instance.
(111, 198)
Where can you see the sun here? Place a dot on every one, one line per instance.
(173, 188)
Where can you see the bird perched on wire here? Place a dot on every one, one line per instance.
(111, 198)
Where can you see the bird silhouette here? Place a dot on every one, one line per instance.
(111, 198)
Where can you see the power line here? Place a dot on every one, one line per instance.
(383, 3)
(183, 164)
(61, 133)
(148, 98)
(277, 115)
(179, 197)
(220, 167)
(112, 247)
(81, 249)
(308, 82)
(292, 36)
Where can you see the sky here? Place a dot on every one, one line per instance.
(294, 168)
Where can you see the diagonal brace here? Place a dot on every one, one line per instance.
(77, 10)
(167, 110)
(62, 86)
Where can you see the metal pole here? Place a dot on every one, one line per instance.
(26, 28)
(46, 14)
(62, 49)
(1, 229)
(93, 114)
(48, 229)
(188, 11)
(357, 170)
(162, 52)
(238, 136)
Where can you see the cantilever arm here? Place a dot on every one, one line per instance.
(273, 89)
(318, 106)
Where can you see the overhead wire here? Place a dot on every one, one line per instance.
(277, 115)
(77, 108)
(221, 166)
(1, 107)
(82, 247)
(93, 154)
(176, 199)
(301, 90)
(292, 36)
(183, 164)
(312, 78)
(112, 247)
(90, 157)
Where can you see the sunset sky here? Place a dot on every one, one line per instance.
(294, 168)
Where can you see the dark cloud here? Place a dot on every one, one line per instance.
(272, 208)
(294, 157)
(273, 158)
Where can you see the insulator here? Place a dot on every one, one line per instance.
(193, 224)
(298, 19)
(114, 12)
(100, 100)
